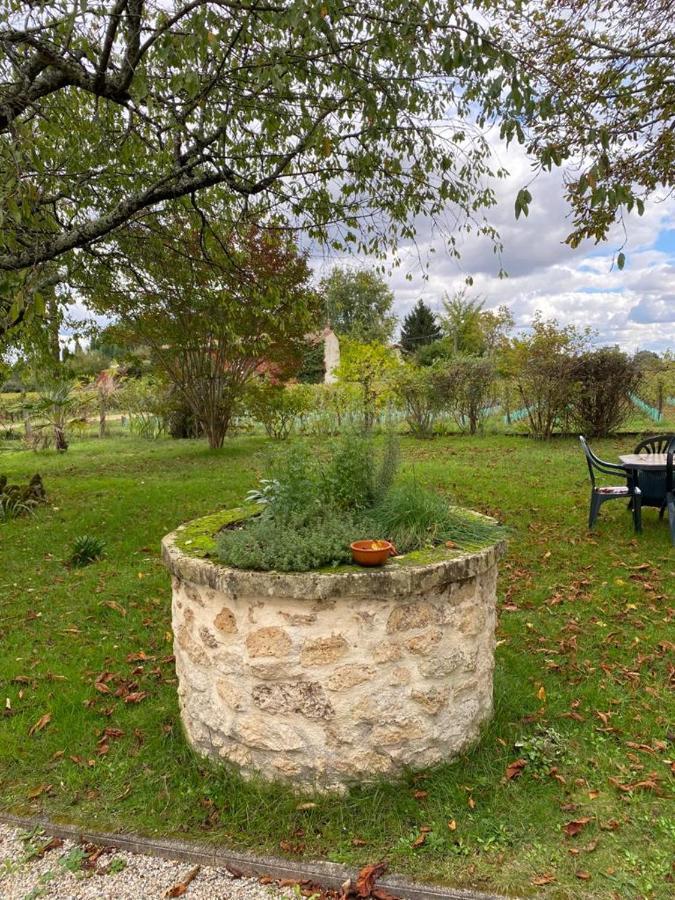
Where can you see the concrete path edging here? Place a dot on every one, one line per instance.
(326, 874)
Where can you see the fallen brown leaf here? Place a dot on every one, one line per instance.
(136, 697)
(39, 790)
(181, 887)
(575, 826)
(515, 769)
(365, 880)
(583, 876)
(379, 893)
(548, 878)
(234, 872)
(52, 844)
(112, 604)
(649, 784)
(419, 840)
(41, 723)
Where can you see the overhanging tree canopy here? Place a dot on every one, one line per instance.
(352, 119)
(326, 111)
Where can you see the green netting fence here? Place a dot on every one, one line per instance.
(646, 408)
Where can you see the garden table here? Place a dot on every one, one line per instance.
(648, 462)
(649, 469)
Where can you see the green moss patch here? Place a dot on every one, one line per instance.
(198, 538)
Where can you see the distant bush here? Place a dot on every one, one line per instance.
(604, 379)
(470, 384)
(657, 382)
(148, 405)
(11, 386)
(543, 366)
(332, 407)
(277, 407)
(419, 392)
(371, 366)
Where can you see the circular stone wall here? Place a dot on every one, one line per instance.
(326, 679)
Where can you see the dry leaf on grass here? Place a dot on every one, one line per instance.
(39, 790)
(515, 769)
(136, 697)
(575, 826)
(41, 723)
(649, 784)
(540, 880)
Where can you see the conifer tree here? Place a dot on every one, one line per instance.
(419, 328)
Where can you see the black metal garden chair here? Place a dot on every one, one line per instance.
(653, 484)
(601, 493)
(657, 443)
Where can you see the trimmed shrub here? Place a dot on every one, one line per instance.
(604, 379)
(419, 392)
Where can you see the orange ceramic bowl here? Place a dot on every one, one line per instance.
(371, 553)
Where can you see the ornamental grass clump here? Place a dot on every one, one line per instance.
(313, 509)
(413, 517)
(87, 548)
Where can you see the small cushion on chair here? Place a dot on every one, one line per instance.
(619, 489)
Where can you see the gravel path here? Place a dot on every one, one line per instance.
(33, 867)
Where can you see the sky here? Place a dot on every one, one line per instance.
(633, 308)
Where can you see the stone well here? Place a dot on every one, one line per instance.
(327, 679)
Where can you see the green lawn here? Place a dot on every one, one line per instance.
(581, 680)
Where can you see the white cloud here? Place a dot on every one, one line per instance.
(634, 308)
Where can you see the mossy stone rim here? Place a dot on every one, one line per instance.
(185, 554)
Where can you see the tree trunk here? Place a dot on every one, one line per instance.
(27, 424)
(60, 441)
(102, 426)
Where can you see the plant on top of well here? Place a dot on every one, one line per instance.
(314, 508)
